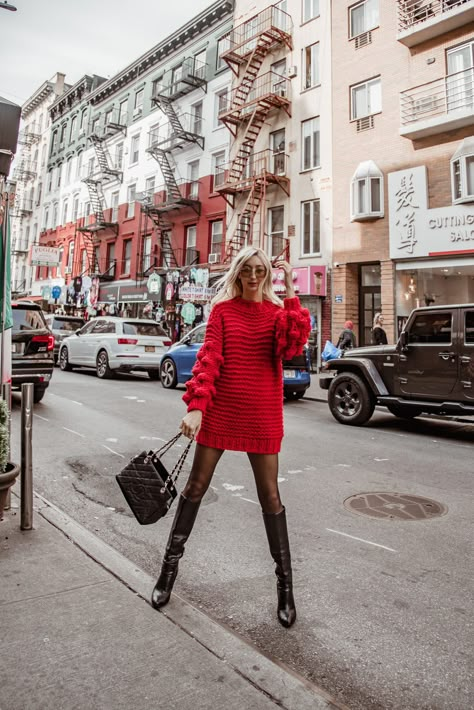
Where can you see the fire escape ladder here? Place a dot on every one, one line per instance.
(162, 229)
(96, 198)
(168, 174)
(247, 143)
(103, 158)
(251, 71)
(244, 228)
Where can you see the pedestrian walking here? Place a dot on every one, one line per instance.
(347, 339)
(235, 402)
(379, 336)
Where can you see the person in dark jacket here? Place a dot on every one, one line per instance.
(347, 339)
(379, 336)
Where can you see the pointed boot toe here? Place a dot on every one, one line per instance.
(287, 617)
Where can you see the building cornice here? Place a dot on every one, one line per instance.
(38, 97)
(213, 14)
(74, 95)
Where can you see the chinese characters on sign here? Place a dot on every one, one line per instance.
(406, 204)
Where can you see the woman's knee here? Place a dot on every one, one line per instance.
(195, 490)
(271, 502)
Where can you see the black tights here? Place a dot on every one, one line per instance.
(265, 471)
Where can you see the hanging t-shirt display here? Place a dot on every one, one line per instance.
(188, 313)
(199, 315)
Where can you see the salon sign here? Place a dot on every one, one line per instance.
(44, 256)
(307, 280)
(418, 231)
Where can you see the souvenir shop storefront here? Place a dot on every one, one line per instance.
(186, 301)
(129, 298)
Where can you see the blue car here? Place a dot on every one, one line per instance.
(177, 363)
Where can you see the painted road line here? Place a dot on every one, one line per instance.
(112, 451)
(74, 432)
(40, 417)
(360, 539)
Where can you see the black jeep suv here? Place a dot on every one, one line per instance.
(32, 348)
(430, 369)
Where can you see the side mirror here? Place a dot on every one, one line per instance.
(78, 331)
(403, 341)
(187, 340)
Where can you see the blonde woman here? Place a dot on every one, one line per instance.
(379, 336)
(235, 402)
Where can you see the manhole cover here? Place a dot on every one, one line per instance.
(395, 506)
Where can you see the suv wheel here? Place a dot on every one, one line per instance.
(38, 394)
(350, 399)
(404, 411)
(64, 360)
(168, 374)
(102, 366)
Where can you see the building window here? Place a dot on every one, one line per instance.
(65, 212)
(310, 228)
(366, 99)
(135, 149)
(200, 65)
(462, 172)
(68, 170)
(218, 162)
(54, 223)
(154, 134)
(110, 266)
(127, 257)
(96, 260)
(363, 17)
(90, 167)
(223, 45)
(310, 139)
(176, 76)
(131, 197)
(114, 203)
(193, 177)
(150, 188)
(367, 192)
(70, 257)
(276, 242)
(196, 118)
(79, 165)
(217, 237)
(82, 125)
(220, 105)
(118, 156)
(75, 208)
(108, 116)
(62, 134)
(146, 254)
(310, 9)
(84, 261)
(123, 112)
(311, 66)
(46, 218)
(72, 134)
(191, 243)
(50, 181)
(138, 102)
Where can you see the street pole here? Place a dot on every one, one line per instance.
(26, 497)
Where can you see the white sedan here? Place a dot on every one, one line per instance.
(111, 345)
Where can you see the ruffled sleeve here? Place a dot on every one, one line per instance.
(293, 326)
(200, 389)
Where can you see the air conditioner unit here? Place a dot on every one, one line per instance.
(67, 270)
(292, 72)
(425, 104)
(214, 258)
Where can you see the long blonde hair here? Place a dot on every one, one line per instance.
(230, 285)
(377, 320)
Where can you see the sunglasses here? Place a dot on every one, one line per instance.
(259, 271)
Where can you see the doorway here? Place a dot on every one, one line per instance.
(370, 300)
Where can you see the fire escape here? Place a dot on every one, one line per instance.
(180, 131)
(255, 97)
(106, 173)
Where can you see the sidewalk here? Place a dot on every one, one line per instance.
(314, 391)
(77, 634)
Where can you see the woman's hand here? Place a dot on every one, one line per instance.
(191, 423)
(288, 269)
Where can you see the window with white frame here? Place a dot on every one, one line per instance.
(218, 162)
(83, 121)
(63, 134)
(363, 16)
(135, 149)
(193, 178)
(150, 187)
(366, 98)
(153, 134)
(110, 265)
(131, 198)
(118, 160)
(65, 212)
(311, 66)
(176, 75)
(138, 101)
(276, 216)
(72, 133)
(96, 260)
(200, 64)
(223, 45)
(90, 166)
(310, 227)
(84, 261)
(70, 257)
(217, 236)
(50, 180)
(79, 165)
(191, 233)
(462, 172)
(310, 9)
(123, 112)
(196, 118)
(367, 192)
(114, 203)
(54, 222)
(46, 218)
(75, 208)
(68, 170)
(146, 254)
(220, 105)
(310, 140)
(127, 257)
(108, 116)
(59, 170)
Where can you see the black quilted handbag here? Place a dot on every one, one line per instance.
(146, 484)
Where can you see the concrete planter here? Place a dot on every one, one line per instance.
(7, 480)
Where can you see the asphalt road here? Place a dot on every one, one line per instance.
(384, 606)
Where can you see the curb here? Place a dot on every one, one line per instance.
(275, 680)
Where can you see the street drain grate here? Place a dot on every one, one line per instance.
(395, 506)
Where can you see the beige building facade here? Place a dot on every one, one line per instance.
(403, 159)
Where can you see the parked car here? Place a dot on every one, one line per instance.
(177, 363)
(109, 345)
(61, 327)
(430, 369)
(32, 348)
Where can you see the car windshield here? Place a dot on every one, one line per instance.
(140, 328)
(27, 319)
(69, 325)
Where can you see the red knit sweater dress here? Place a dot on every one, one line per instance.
(237, 379)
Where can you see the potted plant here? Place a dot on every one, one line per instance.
(8, 470)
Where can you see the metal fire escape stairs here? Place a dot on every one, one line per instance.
(236, 182)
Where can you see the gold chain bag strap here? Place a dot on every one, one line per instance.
(146, 484)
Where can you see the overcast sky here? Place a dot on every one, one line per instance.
(80, 37)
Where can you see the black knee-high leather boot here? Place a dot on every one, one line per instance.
(181, 529)
(277, 533)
